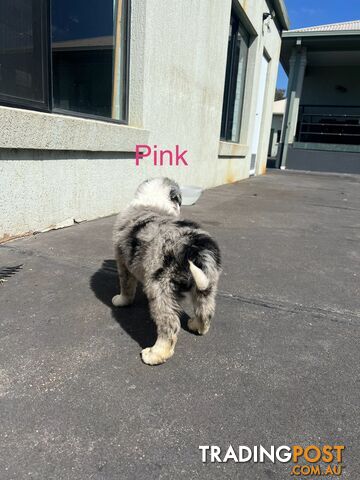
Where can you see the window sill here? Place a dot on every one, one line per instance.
(228, 149)
(28, 129)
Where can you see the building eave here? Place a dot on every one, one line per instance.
(338, 33)
(281, 13)
(319, 41)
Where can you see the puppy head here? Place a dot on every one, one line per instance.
(161, 193)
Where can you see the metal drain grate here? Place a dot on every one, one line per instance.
(6, 272)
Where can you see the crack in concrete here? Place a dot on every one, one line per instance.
(331, 314)
(338, 207)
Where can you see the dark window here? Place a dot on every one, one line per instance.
(234, 81)
(88, 56)
(278, 137)
(87, 74)
(23, 54)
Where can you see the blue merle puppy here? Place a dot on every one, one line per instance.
(171, 258)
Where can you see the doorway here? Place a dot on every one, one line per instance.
(259, 114)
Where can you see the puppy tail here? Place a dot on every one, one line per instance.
(201, 280)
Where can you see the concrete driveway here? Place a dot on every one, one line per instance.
(280, 365)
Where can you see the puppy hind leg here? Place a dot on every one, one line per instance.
(164, 312)
(127, 285)
(204, 309)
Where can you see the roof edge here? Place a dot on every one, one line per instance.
(317, 33)
(281, 13)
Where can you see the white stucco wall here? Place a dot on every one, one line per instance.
(270, 42)
(188, 76)
(266, 39)
(185, 61)
(39, 189)
(55, 167)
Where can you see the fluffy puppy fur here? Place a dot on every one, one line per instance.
(170, 257)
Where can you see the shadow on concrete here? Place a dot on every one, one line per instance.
(135, 319)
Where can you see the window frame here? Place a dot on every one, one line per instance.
(47, 75)
(231, 82)
(44, 105)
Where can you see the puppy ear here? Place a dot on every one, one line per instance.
(175, 196)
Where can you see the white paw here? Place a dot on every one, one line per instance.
(150, 356)
(121, 301)
(196, 326)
